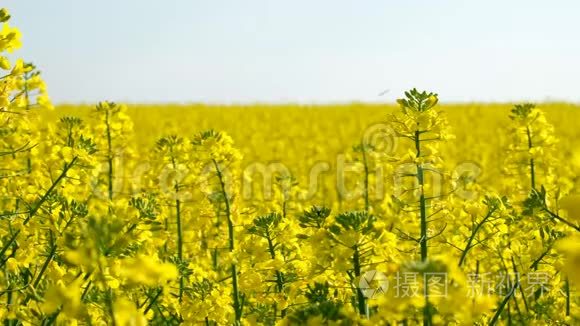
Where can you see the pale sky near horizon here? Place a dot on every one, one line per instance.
(219, 51)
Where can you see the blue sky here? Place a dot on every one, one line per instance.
(301, 51)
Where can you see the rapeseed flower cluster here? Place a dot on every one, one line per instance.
(102, 223)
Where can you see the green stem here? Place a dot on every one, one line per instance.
(366, 181)
(152, 302)
(422, 200)
(8, 322)
(361, 302)
(26, 91)
(427, 318)
(35, 208)
(532, 164)
(472, 237)
(516, 273)
(559, 218)
(27, 99)
(502, 305)
(110, 306)
(86, 290)
(179, 246)
(279, 275)
(179, 233)
(42, 269)
(236, 293)
(109, 155)
(45, 265)
(567, 289)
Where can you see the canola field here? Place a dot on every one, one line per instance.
(410, 213)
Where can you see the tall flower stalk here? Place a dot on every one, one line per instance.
(215, 150)
(423, 126)
(173, 152)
